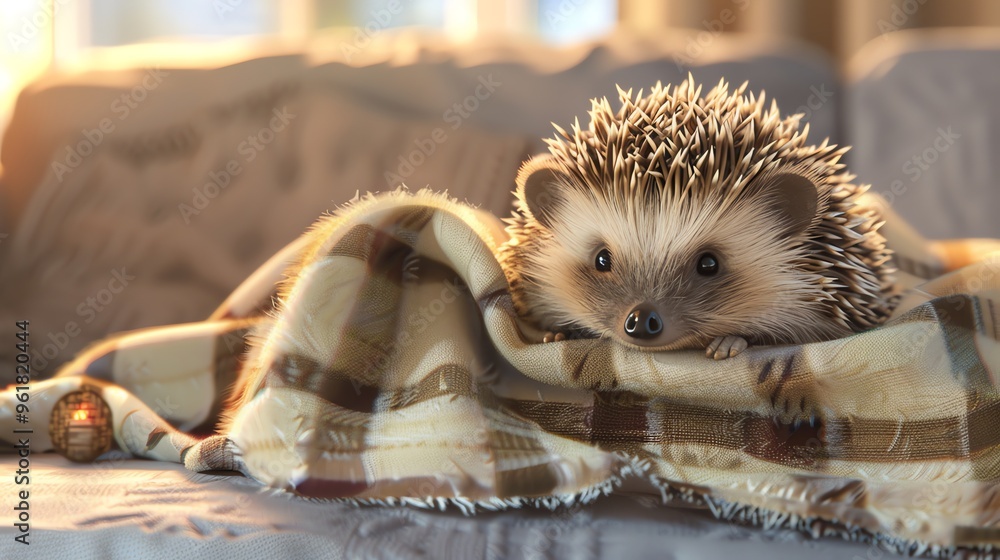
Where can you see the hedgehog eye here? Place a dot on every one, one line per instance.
(708, 265)
(603, 260)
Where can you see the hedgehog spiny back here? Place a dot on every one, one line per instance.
(674, 144)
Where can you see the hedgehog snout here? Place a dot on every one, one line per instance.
(643, 322)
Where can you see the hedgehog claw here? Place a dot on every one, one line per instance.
(554, 337)
(723, 347)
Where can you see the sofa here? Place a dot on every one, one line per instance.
(142, 197)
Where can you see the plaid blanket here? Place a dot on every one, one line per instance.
(389, 367)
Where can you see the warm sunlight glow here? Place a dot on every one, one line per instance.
(25, 48)
(461, 19)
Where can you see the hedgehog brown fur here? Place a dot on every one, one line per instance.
(671, 176)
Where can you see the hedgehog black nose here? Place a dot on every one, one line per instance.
(643, 322)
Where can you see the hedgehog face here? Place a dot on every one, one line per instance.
(681, 218)
(659, 276)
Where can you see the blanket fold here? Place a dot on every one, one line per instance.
(389, 367)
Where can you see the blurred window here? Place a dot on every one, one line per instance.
(425, 13)
(120, 22)
(35, 34)
(564, 21)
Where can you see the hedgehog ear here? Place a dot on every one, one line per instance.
(794, 199)
(539, 183)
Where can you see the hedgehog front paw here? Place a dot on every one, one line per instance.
(725, 347)
(554, 336)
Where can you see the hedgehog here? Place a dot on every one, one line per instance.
(683, 221)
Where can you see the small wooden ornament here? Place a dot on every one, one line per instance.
(81, 426)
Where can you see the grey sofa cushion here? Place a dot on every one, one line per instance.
(923, 117)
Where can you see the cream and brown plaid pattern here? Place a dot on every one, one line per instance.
(392, 369)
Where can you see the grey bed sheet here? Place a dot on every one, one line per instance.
(137, 509)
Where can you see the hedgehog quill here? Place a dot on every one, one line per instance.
(690, 221)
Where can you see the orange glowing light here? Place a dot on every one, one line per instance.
(80, 415)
